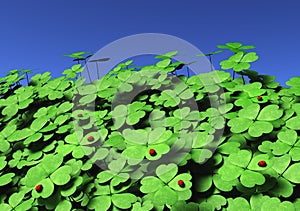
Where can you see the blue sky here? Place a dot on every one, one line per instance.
(36, 34)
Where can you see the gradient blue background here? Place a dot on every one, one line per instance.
(36, 34)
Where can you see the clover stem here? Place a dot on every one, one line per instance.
(88, 73)
(98, 75)
(188, 71)
(27, 78)
(210, 61)
(71, 198)
(243, 79)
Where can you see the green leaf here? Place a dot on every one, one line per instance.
(51, 162)
(120, 110)
(15, 199)
(100, 154)
(8, 130)
(39, 123)
(124, 200)
(6, 178)
(281, 163)
(241, 158)
(201, 155)
(64, 107)
(3, 162)
(165, 195)
(20, 135)
(217, 201)
(64, 205)
(295, 153)
(223, 184)
(282, 188)
(244, 102)
(117, 165)
(164, 63)
(100, 203)
(105, 176)
(288, 136)
(33, 138)
(238, 203)
(250, 57)
(25, 103)
(241, 66)
(239, 125)
(87, 99)
(229, 148)
(247, 47)
(270, 113)
(234, 44)
(48, 128)
(118, 179)
(221, 76)
(72, 139)
(166, 172)
(292, 174)
(136, 136)
(62, 175)
(4, 146)
(230, 172)
(10, 110)
(34, 176)
(295, 81)
(170, 54)
(188, 94)
(293, 123)
(202, 183)
(5, 207)
(78, 152)
(206, 206)
(258, 128)
(150, 184)
(134, 118)
(48, 188)
(250, 111)
(135, 152)
(87, 89)
(251, 178)
(236, 57)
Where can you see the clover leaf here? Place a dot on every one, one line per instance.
(238, 125)
(166, 172)
(238, 203)
(291, 173)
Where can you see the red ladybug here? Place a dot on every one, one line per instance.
(79, 115)
(90, 138)
(259, 98)
(181, 183)
(262, 163)
(152, 152)
(39, 188)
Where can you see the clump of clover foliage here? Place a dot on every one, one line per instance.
(39, 144)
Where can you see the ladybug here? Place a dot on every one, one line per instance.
(152, 152)
(181, 183)
(262, 163)
(39, 188)
(90, 138)
(259, 98)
